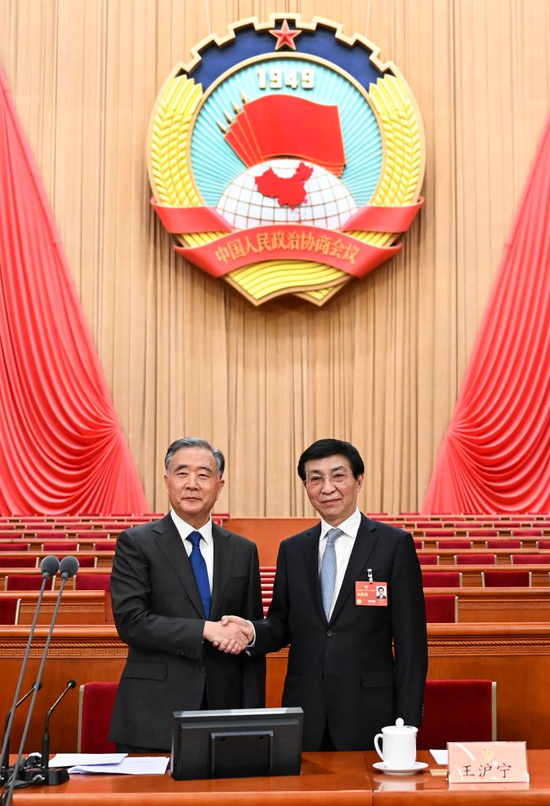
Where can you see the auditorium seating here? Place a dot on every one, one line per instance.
(457, 711)
(530, 559)
(454, 710)
(19, 546)
(503, 579)
(443, 579)
(27, 582)
(95, 707)
(442, 608)
(92, 582)
(455, 544)
(429, 559)
(66, 545)
(475, 559)
(18, 562)
(501, 543)
(9, 610)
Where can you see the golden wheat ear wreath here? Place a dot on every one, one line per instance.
(172, 182)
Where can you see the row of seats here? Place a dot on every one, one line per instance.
(439, 607)
(442, 721)
(33, 582)
(62, 545)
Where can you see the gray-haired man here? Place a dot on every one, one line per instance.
(171, 582)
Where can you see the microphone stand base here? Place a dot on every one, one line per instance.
(50, 777)
(5, 775)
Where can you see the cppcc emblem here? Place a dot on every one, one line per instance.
(286, 158)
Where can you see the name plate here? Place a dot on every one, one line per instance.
(487, 762)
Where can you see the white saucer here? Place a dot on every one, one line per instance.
(418, 766)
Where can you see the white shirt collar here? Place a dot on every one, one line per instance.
(185, 528)
(349, 527)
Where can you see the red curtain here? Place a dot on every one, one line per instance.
(495, 456)
(62, 449)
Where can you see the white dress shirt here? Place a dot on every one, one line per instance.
(343, 547)
(206, 545)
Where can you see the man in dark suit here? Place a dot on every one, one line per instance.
(171, 582)
(356, 662)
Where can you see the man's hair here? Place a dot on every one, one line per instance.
(195, 442)
(331, 447)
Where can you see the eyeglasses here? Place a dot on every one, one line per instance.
(336, 478)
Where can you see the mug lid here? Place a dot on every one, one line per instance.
(399, 728)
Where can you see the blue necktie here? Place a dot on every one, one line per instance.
(201, 574)
(328, 570)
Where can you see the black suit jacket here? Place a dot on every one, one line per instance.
(158, 613)
(368, 665)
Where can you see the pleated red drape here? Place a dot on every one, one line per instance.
(495, 456)
(62, 449)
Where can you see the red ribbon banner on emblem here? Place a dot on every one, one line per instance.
(287, 242)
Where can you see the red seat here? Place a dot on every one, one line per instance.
(65, 545)
(418, 544)
(475, 559)
(528, 532)
(52, 534)
(455, 544)
(105, 545)
(428, 559)
(443, 579)
(87, 562)
(482, 533)
(543, 544)
(18, 562)
(503, 544)
(9, 609)
(442, 608)
(95, 708)
(530, 559)
(92, 582)
(19, 546)
(26, 582)
(506, 579)
(457, 711)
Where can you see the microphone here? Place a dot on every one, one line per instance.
(68, 568)
(5, 769)
(44, 765)
(48, 568)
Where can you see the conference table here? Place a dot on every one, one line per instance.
(343, 779)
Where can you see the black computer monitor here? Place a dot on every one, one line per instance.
(238, 743)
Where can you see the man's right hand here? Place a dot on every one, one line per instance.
(245, 625)
(231, 635)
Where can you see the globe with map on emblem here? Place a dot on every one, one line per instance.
(286, 191)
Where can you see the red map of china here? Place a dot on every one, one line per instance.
(287, 190)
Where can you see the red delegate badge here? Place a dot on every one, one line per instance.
(372, 594)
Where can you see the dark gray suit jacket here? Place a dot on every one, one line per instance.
(158, 613)
(366, 666)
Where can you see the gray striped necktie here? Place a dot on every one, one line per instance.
(328, 570)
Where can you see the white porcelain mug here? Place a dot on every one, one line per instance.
(399, 745)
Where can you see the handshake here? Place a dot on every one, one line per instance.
(232, 634)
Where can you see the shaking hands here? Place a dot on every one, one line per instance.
(231, 635)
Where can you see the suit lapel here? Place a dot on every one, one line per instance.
(362, 549)
(224, 549)
(311, 559)
(170, 543)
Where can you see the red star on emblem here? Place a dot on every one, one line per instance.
(285, 36)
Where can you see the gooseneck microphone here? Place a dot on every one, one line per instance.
(4, 766)
(45, 760)
(67, 569)
(48, 568)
